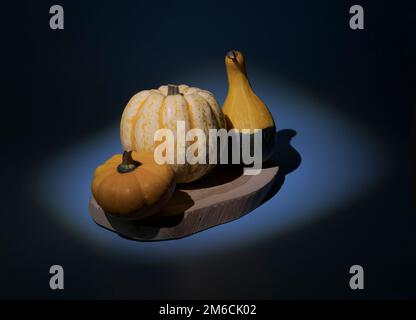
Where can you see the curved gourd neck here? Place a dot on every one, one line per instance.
(237, 77)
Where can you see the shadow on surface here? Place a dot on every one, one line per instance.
(221, 174)
(287, 158)
(148, 228)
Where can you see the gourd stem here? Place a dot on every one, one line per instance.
(173, 90)
(232, 55)
(128, 164)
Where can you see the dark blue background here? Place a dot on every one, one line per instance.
(62, 86)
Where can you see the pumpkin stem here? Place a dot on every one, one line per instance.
(173, 90)
(128, 164)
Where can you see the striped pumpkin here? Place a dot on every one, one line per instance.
(151, 110)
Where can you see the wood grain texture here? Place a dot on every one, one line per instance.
(222, 196)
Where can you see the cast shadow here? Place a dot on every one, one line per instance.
(286, 157)
(148, 228)
(221, 174)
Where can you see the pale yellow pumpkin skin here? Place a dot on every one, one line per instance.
(151, 110)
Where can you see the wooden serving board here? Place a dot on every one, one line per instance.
(222, 196)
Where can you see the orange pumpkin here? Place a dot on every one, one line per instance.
(132, 185)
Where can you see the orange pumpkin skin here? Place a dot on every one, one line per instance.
(136, 194)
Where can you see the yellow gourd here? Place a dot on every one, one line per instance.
(132, 185)
(151, 110)
(243, 109)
